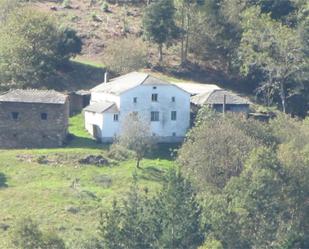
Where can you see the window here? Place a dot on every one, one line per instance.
(154, 97)
(154, 116)
(173, 115)
(173, 99)
(135, 100)
(15, 115)
(116, 117)
(44, 116)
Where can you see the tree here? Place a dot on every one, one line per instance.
(68, 45)
(217, 33)
(136, 136)
(169, 219)
(186, 10)
(32, 48)
(265, 206)
(125, 55)
(276, 49)
(159, 25)
(180, 214)
(216, 150)
(134, 224)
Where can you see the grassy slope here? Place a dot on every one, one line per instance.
(45, 192)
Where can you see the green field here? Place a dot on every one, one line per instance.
(50, 186)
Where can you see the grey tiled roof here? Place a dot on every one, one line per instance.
(34, 96)
(217, 97)
(124, 83)
(101, 107)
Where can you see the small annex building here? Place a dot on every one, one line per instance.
(163, 105)
(215, 97)
(33, 119)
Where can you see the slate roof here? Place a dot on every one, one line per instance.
(128, 81)
(217, 97)
(101, 107)
(34, 96)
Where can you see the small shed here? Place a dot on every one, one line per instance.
(33, 119)
(220, 99)
(78, 100)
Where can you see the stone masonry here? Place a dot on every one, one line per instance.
(33, 119)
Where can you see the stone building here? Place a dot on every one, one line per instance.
(33, 119)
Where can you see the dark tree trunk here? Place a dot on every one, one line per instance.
(138, 163)
(187, 38)
(283, 97)
(160, 53)
(182, 35)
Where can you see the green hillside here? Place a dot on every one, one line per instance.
(50, 185)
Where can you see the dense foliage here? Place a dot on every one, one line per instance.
(170, 219)
(253, 180)
(264, 44)
(33, 48)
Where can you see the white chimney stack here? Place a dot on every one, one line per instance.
(106, 77)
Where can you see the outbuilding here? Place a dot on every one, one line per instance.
(33, 119)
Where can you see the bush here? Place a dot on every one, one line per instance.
(126, 55)
(104, 7)
(119, 153)
(66, 3)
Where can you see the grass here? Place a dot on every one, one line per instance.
(45, 192)
(89, 62)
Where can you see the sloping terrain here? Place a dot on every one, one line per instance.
(54, 188)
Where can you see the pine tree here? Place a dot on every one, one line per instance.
(181, 214)
(159, 25)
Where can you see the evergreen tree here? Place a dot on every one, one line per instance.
(181, 214)
(171, 219)
(159, 25)
(132, 225)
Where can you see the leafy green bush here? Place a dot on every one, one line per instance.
(125, 55)
(105, 7)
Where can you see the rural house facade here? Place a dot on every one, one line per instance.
(164, 106)
(33, 119)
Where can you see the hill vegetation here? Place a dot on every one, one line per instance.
(250, 190)
(233, 183)
(255, 47)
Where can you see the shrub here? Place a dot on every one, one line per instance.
(119, 153)
(66, 3)
(105, 7)
(125, 55)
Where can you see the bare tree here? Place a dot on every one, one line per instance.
(136, 136)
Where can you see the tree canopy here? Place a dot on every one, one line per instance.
(32, 47)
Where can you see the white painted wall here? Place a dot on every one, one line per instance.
(100, 96)
(110, 127)
(91, 119)
(163, 129)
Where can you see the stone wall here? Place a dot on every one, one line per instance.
(30, 129)
(78, 102)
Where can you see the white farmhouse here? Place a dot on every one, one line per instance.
(165, 106)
